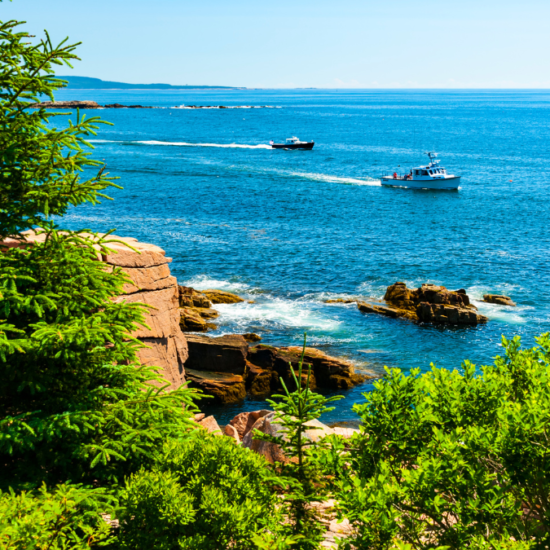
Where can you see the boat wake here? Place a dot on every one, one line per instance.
(186, 144)
(338, 179)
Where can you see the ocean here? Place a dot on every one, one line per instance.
(291, 229)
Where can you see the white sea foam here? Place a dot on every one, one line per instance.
(276, 313)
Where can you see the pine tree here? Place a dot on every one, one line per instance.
(74, 403)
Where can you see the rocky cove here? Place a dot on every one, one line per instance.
(231, 367)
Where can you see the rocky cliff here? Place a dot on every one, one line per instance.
(152, 284)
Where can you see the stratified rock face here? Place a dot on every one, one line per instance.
(222, 354)
(429, 304)
(222, 297)
(214, 362)
(151, 283)
(223, 387)
(499, 299)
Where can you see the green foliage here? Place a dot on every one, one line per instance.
(204, 493)
(65, 519)
(300, 474)
(457, 460)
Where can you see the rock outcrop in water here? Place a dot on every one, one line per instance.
(196, 307)
(428, 303)
(227, 368)
(499, 299)
(84, 104)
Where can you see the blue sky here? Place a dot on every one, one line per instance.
(303, 43)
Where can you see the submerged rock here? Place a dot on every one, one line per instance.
(340, 301)
(428, 303)
(499, 299)
(222, 297)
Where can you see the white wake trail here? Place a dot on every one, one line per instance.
(186, 144)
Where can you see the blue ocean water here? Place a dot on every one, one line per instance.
(290, 229)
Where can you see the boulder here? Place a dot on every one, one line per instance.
(207, 312)
(498, 299)
(340, 301)
(230, 431)
(252, 337)
(191, 320)
(223, 354)
(189, 297)
(346, 433)
(210, 425)
(450, 315)
(271, 451)
(222, 297)
(198, 417)
(224, 387)
(243, 422)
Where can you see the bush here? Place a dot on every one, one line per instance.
(204, 493)
(455, 459)
(65, 519)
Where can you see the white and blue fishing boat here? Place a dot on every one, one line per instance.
(432, 176)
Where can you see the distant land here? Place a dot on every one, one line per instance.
(87, 83)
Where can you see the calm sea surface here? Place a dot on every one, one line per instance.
(290, 229)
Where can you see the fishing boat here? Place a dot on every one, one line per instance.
(432, 176)
(293, 143)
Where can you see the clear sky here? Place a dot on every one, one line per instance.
(303, 43)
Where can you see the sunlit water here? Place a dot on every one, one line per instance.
(290, 229)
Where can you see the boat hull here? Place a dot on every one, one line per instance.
(307, 146)
(446, 184)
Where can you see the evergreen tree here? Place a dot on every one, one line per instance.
(74, 403)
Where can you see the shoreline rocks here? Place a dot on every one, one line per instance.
(429, 304)
(227, 368)
(196, 308)
(499, 300)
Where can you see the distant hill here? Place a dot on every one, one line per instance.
(87, 83)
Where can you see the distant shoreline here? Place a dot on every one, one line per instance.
(88, 83)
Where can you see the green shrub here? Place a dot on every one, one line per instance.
(205, 492)
(65, 519)
(455, 459)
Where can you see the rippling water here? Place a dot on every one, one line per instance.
(290, 229)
